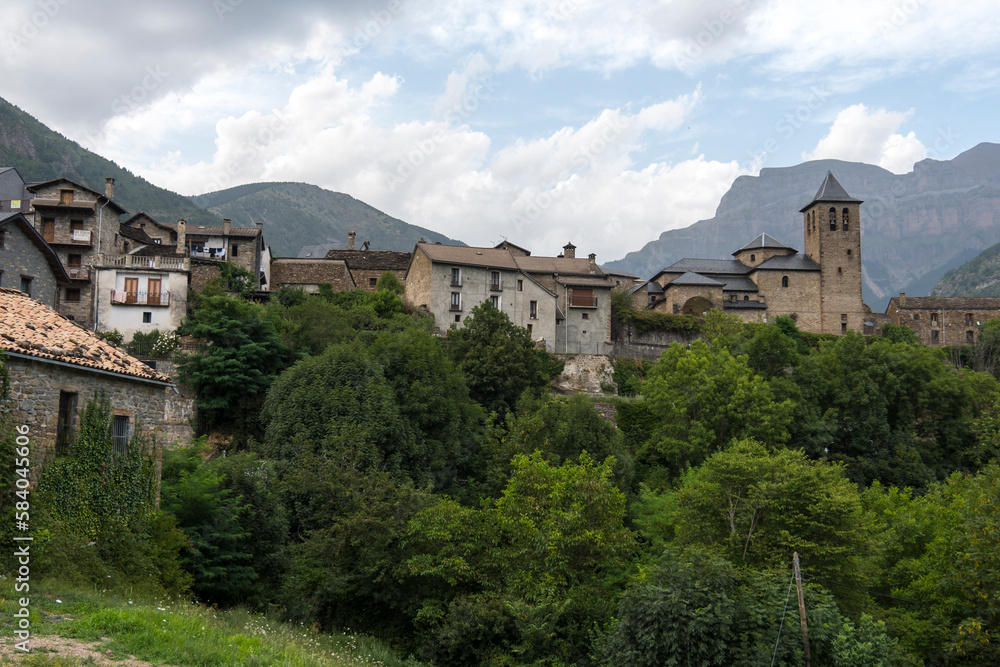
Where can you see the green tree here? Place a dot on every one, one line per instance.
(497, 357)
(899, 333)
(389, 282)
(243, 354)
(703, 398)
(757, 507)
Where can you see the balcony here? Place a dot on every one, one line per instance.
(78, 237)
(496, 286)
(456, 308)
(456, 283)
(136, 262)
(123, 298)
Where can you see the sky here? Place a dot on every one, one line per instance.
(543, 122)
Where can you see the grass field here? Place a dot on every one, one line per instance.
(177, 632)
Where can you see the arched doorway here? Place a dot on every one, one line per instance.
(697, 305)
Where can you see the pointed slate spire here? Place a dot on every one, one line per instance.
(831, 191)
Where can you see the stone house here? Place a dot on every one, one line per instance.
(56, 367)
(30, 264)
(81, 225)
(343, 270)
(940, 321)
(563, 302)
(820, 288)
(142, 291)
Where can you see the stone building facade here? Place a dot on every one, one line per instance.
(309, 274)
(81, 225)
(940, 321)
(563, 302)
(820, 289)
(56, 367)
(28, 263)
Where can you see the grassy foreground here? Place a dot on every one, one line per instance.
(173, 632)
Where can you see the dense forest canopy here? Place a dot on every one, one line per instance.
(362, 473)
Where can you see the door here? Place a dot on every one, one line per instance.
(153, 292)
(131, 290)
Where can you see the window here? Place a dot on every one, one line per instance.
(120, 433)
(456, 277)
(746, 297)
(520, 285)
(74, 261)
(458, 318)
(846, 217)
(753, 258)
(64, 424)
(840, 269)
(969, 337)
(65, 196)
(583, 297)
(969, 318)
(916, 316)
(26, 285)
(494, 280)
(843, 317)
(373, 282)
(833, 219)
(935, 337)
(934, 318)
(147, 318)
(529, 329)
(236, 249)
(495, 300)
(456, 301)
(72, 293)
(533, 310)
(843, 328)
(586, 316)
(784, 281)
(848, 252)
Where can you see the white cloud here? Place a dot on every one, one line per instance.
(860, 135)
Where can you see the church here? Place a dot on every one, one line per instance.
(820, 288)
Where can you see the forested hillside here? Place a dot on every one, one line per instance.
(363, 474)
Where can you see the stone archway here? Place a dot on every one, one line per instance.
(697, 305)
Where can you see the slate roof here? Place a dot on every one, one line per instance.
(142, 215)
(213, 230)
(136, 234)
(692, 278)
(43, 202)
(377, 260)
(158, 250)
(30, 328)
(713, 266)
(765, 241)
(739, 284)
(789, 263)
(831, 191)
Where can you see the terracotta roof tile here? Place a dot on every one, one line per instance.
(33, 329)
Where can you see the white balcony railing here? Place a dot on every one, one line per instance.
(123, 298)
(137, 262)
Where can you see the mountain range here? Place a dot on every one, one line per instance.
(914, 227)
(294, 214)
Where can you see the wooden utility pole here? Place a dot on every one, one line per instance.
(802, 606)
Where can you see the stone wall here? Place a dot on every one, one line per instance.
(20, 256)
(203, 271)
(584, 373)
(35, 392)
(178, 409)
(310, 273)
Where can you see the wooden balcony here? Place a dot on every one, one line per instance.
(77, 237)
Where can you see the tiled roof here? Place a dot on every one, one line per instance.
(561, 265)
(453, 254)
(375, 260)
(946, 303)
(765, 241)
(831, 191)
(789, 263)
(692, 278)
(33, 329)
(584, 281)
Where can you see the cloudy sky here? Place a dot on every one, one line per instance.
(541, 122)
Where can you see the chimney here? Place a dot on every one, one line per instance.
(109, 187)
(182, 237)
(569, 251)
(902, 299)
(227, 224)
(593, 262)
(350, 240)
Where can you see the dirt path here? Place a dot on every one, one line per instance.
(52, 645)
